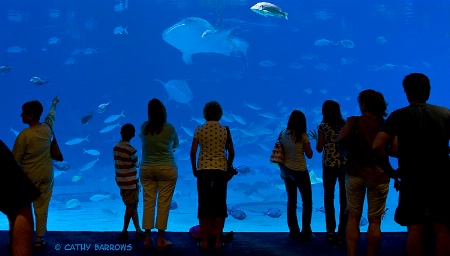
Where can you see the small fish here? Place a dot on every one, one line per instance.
(86, 118)
(253, 106)
(5, 68)
(243, 169)
(38, 81)
(227, 117)
(113, 118)
(109, 128)
(308, 90)
(77, 178)
(96, 198)
(89, 51)
(268, 9)
(119, 30)
(76, 141)
(187, 131)
(199, 120)
(363, 222)
(231, 207)
(323, 42)
(91, 152)
(107, 212)
(321, 209)
(54, 40)
(103, 107)
(62, 166)
(239, 119)
(269, 115)
(119, 7)
(89, 165)
(173, 205)
(16, 49)
(273, 213)
(238, 214)
(72, 203)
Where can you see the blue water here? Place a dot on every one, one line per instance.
(369, 45)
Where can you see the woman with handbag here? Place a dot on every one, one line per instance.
(364, 172)
(296, 146)
(32, 152)
(333, 168)
(210, 170)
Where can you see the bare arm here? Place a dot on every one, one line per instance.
(320, 141)
(194, 155)
(381, 142)
(50, 118)
(347, 128)
(307, 149)
(230, 149)
(176, 141)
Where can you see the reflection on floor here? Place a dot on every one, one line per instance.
(245, 243)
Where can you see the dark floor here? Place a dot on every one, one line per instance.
(100, 243)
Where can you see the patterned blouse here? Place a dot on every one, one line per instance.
(212, 137)
(330, 156)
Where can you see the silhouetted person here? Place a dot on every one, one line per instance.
(32, 152)
(423, 134)
(159, 171)
(333, 168)
(295, 175)
(215, 157)
(125, 163)
(365, 174)
(17, 193)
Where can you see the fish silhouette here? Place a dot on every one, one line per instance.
(238, 214)
(196, 35)
(178, 90)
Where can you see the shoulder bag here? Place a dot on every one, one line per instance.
(55, 151)
(277, 155)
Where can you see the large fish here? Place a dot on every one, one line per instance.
(268, 9)
(195, 35)
(178, 90)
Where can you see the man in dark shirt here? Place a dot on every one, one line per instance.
(423, 134)
(17, 193)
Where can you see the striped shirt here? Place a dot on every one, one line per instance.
(125, 159)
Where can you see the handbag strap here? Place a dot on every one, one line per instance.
(53, 133)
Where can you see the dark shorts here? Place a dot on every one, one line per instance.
(16, 189)
(421, 202)
(130, 196)
(212, 194)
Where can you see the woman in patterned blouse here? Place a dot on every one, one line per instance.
(333, 167)
(214, 140)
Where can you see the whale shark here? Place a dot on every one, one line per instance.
(196, 35)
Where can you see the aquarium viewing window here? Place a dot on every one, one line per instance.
(106, 59)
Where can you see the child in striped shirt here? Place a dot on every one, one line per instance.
(125, 163)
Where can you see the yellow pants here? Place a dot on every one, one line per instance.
(158, 183)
